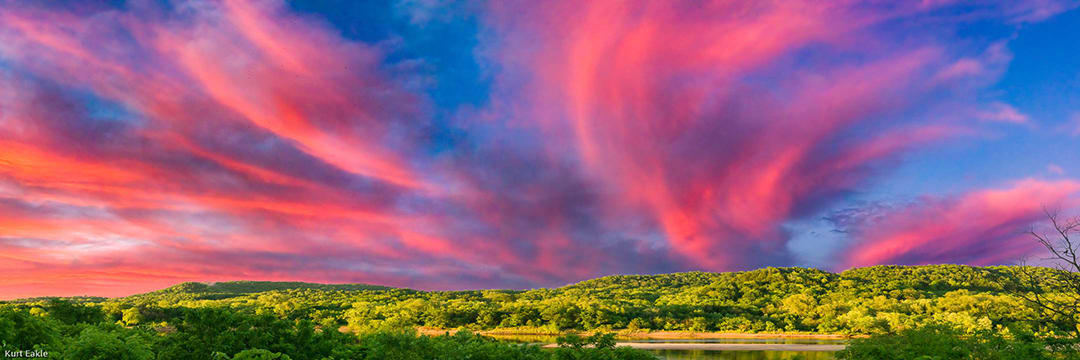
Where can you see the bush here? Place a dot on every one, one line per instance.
(596, 347)
(202, 332)
(946, 342)
(105, 342)
(21, 330)
(461, 345)
(258, 354)
(72, 313)
(465, 345)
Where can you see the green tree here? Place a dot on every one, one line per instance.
(259, 354)
(71, 313)
(20, 330)
(131, 316)
(945, 342)
(106, 342)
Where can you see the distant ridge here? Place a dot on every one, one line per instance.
(937, 278)
(226, 289)
(245, 287)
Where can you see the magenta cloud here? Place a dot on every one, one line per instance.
(218, 140)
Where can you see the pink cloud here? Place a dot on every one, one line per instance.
(1038, 10)
(962, 68)
(979, 70)
(656, 102)
(251, 132)
(983, 227)
(1022, 11)
(285, 74)
(1002, 112)
(238, 140)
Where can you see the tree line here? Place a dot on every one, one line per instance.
(880, 299)
(301, 321)
(58, 329)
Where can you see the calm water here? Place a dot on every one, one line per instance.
(550, 339)
(744, 341)
(744, 355)
(718, 354)
(741, 355)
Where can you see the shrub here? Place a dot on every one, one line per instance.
(947, 342)
(21, 330)
(104, 342)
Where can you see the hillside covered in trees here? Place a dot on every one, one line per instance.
(872, 300)
(947, 306)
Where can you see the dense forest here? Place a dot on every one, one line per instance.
(878, 299)
(223, 320)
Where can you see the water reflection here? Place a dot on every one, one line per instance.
(796, 341)
(550, 339)
(742, 355)
(713, 354)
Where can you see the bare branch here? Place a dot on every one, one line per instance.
(1055, 292)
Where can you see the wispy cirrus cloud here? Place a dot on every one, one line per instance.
(235, 139)
(143, 145)
(981, 227)
(1002, 112)
(238, 129)
(698, 116)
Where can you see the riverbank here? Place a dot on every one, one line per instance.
(648, 335)
(728, 347)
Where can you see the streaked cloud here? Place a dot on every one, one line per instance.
(1002, 112)
(143, 145)
(980, 227)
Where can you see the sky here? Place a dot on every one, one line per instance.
(441, 144)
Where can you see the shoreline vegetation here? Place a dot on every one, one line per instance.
(646, 335)
(866, 312)
(780, 302)
(727, 347)
(630, 339)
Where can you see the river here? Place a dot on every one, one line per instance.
(741, 355)
(740, 349)
(723, 349)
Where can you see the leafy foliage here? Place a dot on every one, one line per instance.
(943, 342)
(21, 330)
(313, 321)
(873, 300)
(108, 342)
(215, 332)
